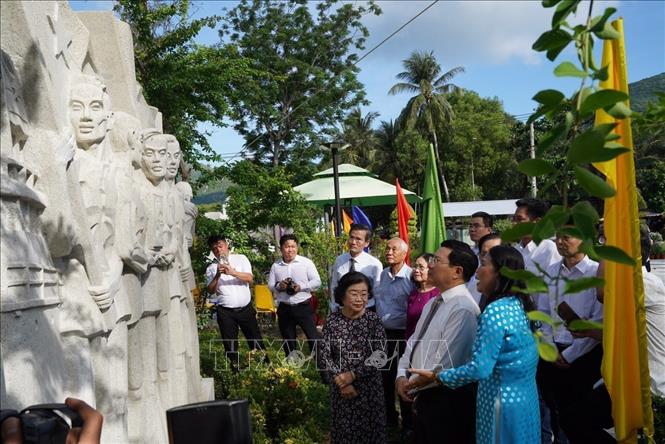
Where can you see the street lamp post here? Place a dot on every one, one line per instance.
(335, 148)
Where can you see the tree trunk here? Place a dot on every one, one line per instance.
(440, 165)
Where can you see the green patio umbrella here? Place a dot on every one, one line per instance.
(357, 186)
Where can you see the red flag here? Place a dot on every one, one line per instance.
(404, 213)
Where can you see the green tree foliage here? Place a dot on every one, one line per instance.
(549, 190)
(262, 197)
(363, 141)
(649, 139)
(410, 160)
(585, 144)
(310, 80)
(429, 107)
(478, 147)
(188, 82)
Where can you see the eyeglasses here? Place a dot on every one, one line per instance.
(475, 226)
(362, 295)
(420, 267)
(434, 260)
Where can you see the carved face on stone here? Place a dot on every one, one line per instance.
(173, 155)
(88, 113)
(153, 158)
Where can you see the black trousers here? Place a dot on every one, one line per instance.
(291, 316)
(394, 350)
(444, 415)
(564, 389)
(229, 320)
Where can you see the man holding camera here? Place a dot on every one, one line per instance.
(292, 279)
(228, 278)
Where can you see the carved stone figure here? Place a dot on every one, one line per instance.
(95, 274)
(151, 332)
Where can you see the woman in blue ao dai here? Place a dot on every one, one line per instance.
(504, 360)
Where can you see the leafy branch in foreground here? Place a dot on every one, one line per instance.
(586, 144)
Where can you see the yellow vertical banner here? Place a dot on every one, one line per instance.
(346, 221)
(625, 365)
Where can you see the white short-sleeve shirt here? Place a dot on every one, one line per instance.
(231, 292)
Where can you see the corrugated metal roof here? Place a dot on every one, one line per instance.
(493, 207)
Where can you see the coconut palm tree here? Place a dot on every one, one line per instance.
(386, 162)
(357, 131)
(429, 106)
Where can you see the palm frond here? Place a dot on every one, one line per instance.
(447, 77)
(403, 87)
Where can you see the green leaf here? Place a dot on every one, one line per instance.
(590, 147)
(601, 74)
(535, 285)
(536, 167)
(585, 218)
(544, 229)
(581, 284)
(555, 134)
(593, 184)
(591, 59)
(584, 207)
(563, 10)
(608, 32)
(548, 352)
(517, 231)
(584, 146)
(549, 3)
(518, 275)
(616, 146)
(568, 69)
(598, 23)
(539, 316)
(613, 254)
(605, 128)
(571, 231)
(619, 111)
(558, 216)
(553, 42)
(548, 97)
(602, 99)
(584, 324)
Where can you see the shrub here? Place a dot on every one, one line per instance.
(285, 402)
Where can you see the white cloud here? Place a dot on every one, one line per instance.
(466, 32)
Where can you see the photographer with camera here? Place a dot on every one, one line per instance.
(292, 279)
(228, 279)
(46, 423)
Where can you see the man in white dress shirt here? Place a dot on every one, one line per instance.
(292, 280)
(577, 367)
(443, 339)
(485, 244)
(356, 259)
(228, 278)
(543, 254)
(480, 225)
(654, 302)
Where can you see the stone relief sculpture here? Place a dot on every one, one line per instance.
(96, 278)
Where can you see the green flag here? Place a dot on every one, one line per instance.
(432, 230)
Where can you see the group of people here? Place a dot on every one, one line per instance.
(444, 349)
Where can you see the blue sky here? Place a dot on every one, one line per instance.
(490, 39)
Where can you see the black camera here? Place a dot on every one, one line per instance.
(290, 286)
(45, 423)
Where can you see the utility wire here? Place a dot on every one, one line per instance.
(247, 146)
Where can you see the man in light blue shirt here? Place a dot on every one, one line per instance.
(395, 285)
